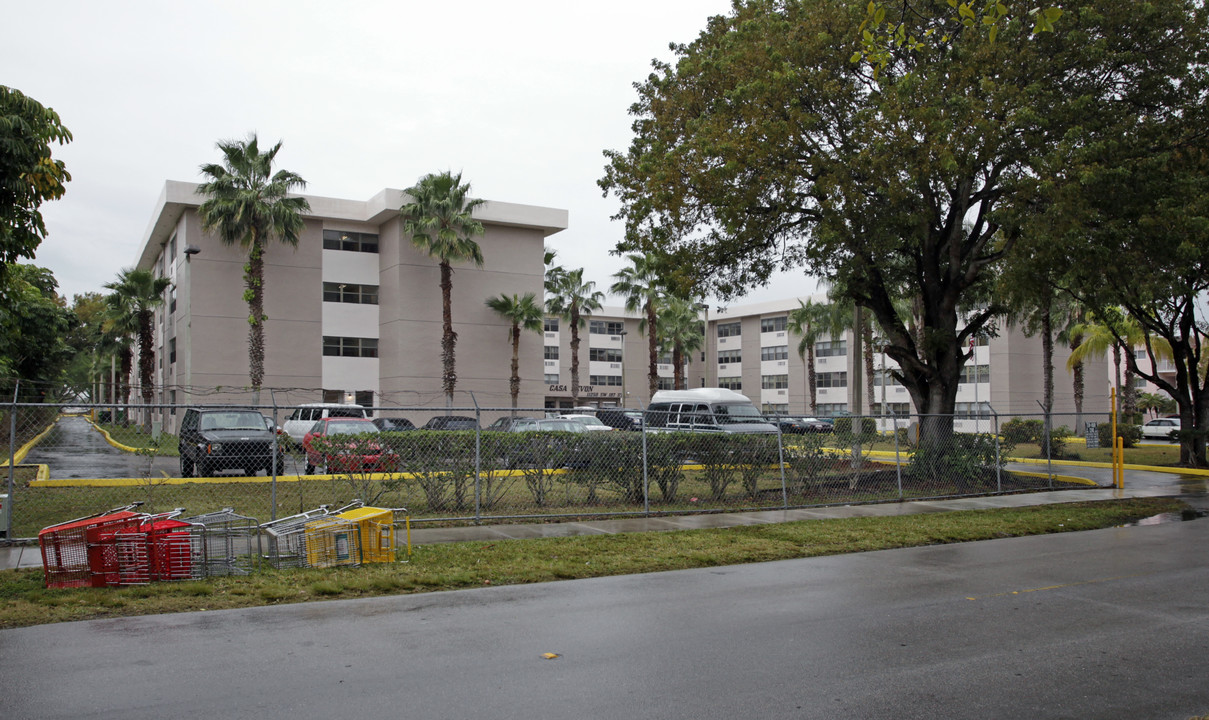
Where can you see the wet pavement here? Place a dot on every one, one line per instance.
(75, 449)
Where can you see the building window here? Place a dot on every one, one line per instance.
(551, 324)
(350, 293)
(1138, 383)
(172, 300)
(831, 380)
(731, 383)
(832, 409)
(774, 382)
(551, 352)
(772, 324)
(604, 380)
(604, 355)
(172, 401)
(350, 241)
(172, 248)
(551, 379)
(731, 329)
(775, 408)
(779, 352)
(171, 350)
(350, 347)
(883, 377)
(605, 327)
(665, 359)
(729, 357)
(969, 409)
(982, 372)
(365, 398)
(832, 348)
(899, 409)
(665, 383)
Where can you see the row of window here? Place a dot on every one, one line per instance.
(605, 327)
(350, 241)
(774, 382)
(350, 347)
(604, 355)
(350, 293)
(604, 380)
(778, 352)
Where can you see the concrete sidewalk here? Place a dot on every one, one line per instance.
(27, 556)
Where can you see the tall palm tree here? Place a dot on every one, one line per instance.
(525, 313)
(573, 299)
(249, 205)
(642, 289)
(681, 333)
(811, 322)
(121, 325)
(141, 292)
(439, 221)
(1112, 330)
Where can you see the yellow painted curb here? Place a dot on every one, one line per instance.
(109, 438)
(24, 449)
(1145, 468)
(1059, 478)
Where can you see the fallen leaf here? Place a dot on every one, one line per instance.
(550, 656)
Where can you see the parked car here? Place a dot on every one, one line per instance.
(620, 418)
(541, 451)
(394, 424)
(299, 423)
(356, 451)
(212, 440)
(705, 410)
(1162, 429)
(590, 422)
(451, 422)
(513, 424)
(802, 425)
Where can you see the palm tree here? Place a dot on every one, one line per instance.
(121, 325)
(524, 312)
(140, 292)
(572, 299)
(681, 333)
(642, 289)
(439, 221)
(248, 205)
(811, 323)
(1112, 330)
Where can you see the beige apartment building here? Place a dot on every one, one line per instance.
(749, 349)
(354, 312)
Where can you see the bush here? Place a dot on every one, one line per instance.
(1130, 434)
(1019, 431)
(851, 431)
(968, 457)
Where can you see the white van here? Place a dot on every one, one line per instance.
(305, 416)
(704, 410)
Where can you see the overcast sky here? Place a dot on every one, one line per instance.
(520, 97)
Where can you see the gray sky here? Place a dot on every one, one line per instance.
(520, 97)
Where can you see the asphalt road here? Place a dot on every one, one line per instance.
(1105, 624)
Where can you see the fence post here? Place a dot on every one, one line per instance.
(478, 460)
(998, 461)
(273, 459)
(1048, 440)
(646, 482)
(12, 463)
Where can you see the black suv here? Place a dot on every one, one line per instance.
(451, 422)
(217, 439)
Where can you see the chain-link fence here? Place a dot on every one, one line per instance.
(472, 464)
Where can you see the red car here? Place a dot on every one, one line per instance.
(342, 444)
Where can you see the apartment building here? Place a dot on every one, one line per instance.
(354, 312)
(750, 349)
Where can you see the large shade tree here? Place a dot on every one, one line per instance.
(139, 293)
(29, 174)
(573, 299)
(439, 221)
(249, 205)
(523, 312)
(765, 146)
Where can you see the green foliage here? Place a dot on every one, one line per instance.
(851, 431)
(805, 462)
(29, 175)
(1019, 431)
(968, 460)
(1129, 434)
(34, 327)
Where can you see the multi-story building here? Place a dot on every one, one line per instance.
(749, 349)
(354, 312)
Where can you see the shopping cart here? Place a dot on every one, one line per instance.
(161, 548)
(376, 527)
(229, 539)
(83, 552)
(282, 542)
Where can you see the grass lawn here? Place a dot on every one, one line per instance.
(24, 601)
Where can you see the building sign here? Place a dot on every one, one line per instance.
(587, 391)
(1093, 435)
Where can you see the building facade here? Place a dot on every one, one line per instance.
(354, 312)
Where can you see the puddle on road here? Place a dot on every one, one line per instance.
(1163, 518)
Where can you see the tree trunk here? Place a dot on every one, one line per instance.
(146, 365)
(1077, 383)
(653, 354)
(812, 380)
(449, 339)
(678, 368)
(254, 283)
(575, 356)
(867, 330)
(514, 383)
